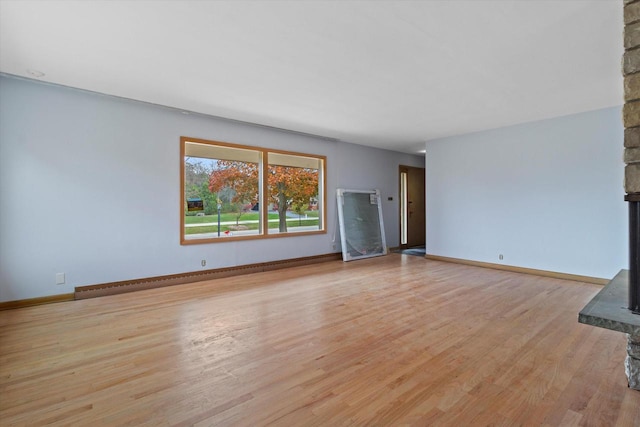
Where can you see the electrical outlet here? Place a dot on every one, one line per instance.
(500, 257)
(203, 262)
(333, 246)
(60, 279)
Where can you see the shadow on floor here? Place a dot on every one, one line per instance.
(417, 251)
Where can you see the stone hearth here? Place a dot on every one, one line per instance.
(608, 309)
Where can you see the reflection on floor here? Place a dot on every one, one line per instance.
(418, 251)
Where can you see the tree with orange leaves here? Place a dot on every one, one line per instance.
(240, 179)
(286, 185)
(291, 185)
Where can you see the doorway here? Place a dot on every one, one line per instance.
(412, 207)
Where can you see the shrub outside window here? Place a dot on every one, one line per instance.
(235, 192)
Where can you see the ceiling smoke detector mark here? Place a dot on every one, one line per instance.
(35, 73)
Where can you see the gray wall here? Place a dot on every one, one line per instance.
(547, 195)
(89, 186)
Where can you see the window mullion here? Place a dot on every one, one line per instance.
(264, 196)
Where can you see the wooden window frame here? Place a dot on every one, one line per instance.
(263, 193)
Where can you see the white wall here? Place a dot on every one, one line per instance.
(355, 167)
(548, 195)
(89, 186)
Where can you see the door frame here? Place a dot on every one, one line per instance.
(403, 205)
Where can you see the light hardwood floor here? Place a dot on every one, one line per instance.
(390, 341)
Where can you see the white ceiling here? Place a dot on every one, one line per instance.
(390, 74)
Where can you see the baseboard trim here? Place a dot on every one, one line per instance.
(113, 288)
(21, 303)
(514, 269)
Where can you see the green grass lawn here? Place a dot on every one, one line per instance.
(223, 218)
(249, 216)
(251, 226)
(214, 229)
(294, 223)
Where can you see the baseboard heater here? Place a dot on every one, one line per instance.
(113, 288)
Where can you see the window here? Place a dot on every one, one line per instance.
(234, 192)
(293, 184)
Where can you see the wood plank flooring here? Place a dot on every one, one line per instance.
(391, 341)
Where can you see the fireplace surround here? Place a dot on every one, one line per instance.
(631, 121)
(617, 305)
